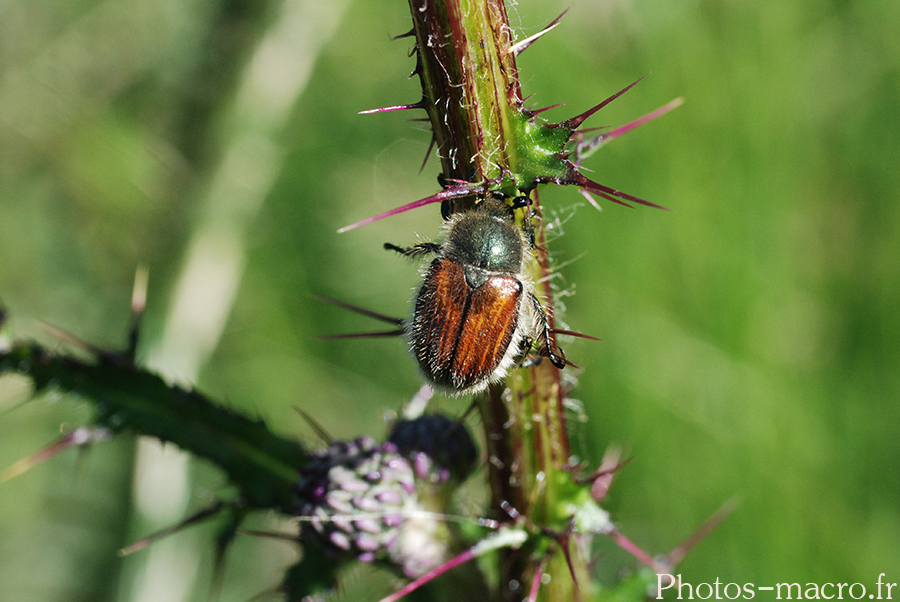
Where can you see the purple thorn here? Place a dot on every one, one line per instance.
(632, 548)
(601, 479)
(195, 518)
(589, 130)
(718, 517)
(572, 333)
(511, 538)
(564, 544)
(610, 194)
(416, 105)
(574, 122)
(571, 365)
(592, 187)
(428, 152)
(585, 148)
(408, 34)
(79, 437)
(623, 129)
(518, 47)
(430, 575)
(533, 112)
(454, 192)
(536, 580)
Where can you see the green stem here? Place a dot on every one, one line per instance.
(263, 465)
(472, 95)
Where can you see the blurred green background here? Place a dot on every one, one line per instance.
(750, 336)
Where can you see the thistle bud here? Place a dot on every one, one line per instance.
(357, 499)
(440, 449)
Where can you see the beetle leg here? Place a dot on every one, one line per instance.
(423, 248)
(521, 357)
(554, 353)
(527, 227)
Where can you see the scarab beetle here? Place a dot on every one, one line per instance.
(476, 314)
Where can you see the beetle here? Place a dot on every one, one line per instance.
(476, 314)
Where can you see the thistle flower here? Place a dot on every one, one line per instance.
(357, 499)
(439, 448)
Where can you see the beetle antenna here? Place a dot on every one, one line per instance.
(422, 248)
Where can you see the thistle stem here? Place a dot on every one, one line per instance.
(467, 66)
